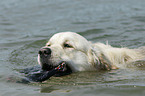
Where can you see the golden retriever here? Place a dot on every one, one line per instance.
(81, 55)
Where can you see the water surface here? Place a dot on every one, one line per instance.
(26, 25)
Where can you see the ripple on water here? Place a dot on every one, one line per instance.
(26, 55)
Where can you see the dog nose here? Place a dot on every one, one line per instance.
(46, 51)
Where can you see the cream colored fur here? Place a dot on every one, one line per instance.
(114, 58)
(83, 55)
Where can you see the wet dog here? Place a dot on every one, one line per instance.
(81, 55)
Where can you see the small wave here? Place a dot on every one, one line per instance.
(26, 55)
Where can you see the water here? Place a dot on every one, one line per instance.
(26, 25)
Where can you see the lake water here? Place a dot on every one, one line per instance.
(26, 25)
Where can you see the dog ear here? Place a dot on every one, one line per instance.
(99, 61)
(93, 58)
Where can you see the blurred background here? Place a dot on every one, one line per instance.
(26, 25)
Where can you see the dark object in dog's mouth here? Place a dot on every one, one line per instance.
(40, 76)
(49, 67)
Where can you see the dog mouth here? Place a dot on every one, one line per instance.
(44, 59)
(66, 70)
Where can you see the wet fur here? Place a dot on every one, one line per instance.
(86, 56)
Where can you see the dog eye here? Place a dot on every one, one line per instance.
(67, 46)
(48, 44)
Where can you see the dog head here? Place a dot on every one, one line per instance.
(68, 47)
